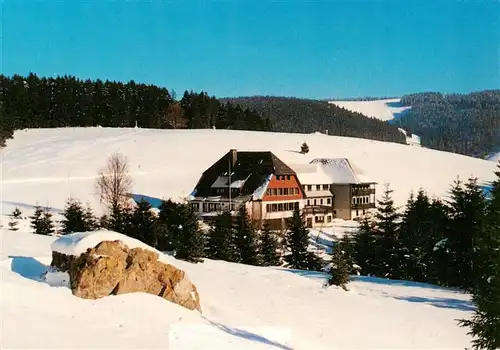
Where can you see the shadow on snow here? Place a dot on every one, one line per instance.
(28, 267)
(31, 206)
(247, 335)
(447, 303)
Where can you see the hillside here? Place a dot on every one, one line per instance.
(248, 308)
(384, 109)
(462, 123)
(46, 166)
(306, 116)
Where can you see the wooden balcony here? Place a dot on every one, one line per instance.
(363, 206)
(318, 209)
(362, 192)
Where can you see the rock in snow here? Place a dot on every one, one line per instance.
(117, 265)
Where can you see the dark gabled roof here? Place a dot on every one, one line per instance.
(255, 167)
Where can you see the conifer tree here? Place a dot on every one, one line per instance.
(297, 242)
(91, 221)
(467, 209)
(304, 148)
(340, 267)
(143, 224)
(14, 219)
(36, 220)
(220, 240)
(166, 225)
(188, 238)
(119, 220)
(268, 247)
(245, 239)
(484, 325)
(386, 237)
(363, 242)
(47, 225)
(74, 217)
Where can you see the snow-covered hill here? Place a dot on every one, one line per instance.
(243, 308)
(46, 166)
(384, 109)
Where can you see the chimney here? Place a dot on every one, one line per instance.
(234, 157)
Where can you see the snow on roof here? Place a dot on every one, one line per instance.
(311, 174)
(261, 190)
(340, 171)
(223, 182)
(77, 243)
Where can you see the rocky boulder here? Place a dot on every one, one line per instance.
(111, 268)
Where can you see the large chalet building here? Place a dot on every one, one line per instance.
(323, 189)
(268, 188)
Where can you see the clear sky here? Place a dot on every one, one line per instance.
(315, 49)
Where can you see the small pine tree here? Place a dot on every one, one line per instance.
(220, 240)
(74, 217)
(304, 148)
(340, 267)
(166, 225)
(188, 238)
(363, 242)
(91, 221)
(386, 237)
(246, 239)
(268, 247)
(14, 219)
(119, 220)
(36, 220)
(297, 242)
(47, 223)
(143, 224)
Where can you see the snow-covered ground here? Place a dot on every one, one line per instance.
(384, 109)
(243, 308)
(46, 166)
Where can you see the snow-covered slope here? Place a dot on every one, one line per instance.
(243, 308)
(385, 109)
(46, 166)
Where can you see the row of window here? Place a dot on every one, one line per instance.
(319, 201)
(309, 188)
(212, 207)
(282, 191)
(282, 177)
(361, 200)
(289, 206)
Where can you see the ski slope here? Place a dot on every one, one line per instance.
(243, 307)
(47, 166)
(384, 109)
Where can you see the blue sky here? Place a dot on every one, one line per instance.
(314, 49)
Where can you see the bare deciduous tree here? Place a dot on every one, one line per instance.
(115, 182)
(175, 117)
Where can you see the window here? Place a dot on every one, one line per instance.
(328, 201)
(268, 207)
(308, 202)
(328, 218)
(321, 201)
(274, 207)
(280, 191)
(325, 187)
(280, 206)
(195, 206)
(205, 207)
(288, 177)
(318, 187)
(309, 187)
(268, 192)
(320, 219)
(296, 205)
(273, 192)
(278, 177)
(296, 190)
(285, 191)
(315, 202)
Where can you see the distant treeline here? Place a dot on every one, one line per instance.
(461, 123)
(34, 102)
(307, 116)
